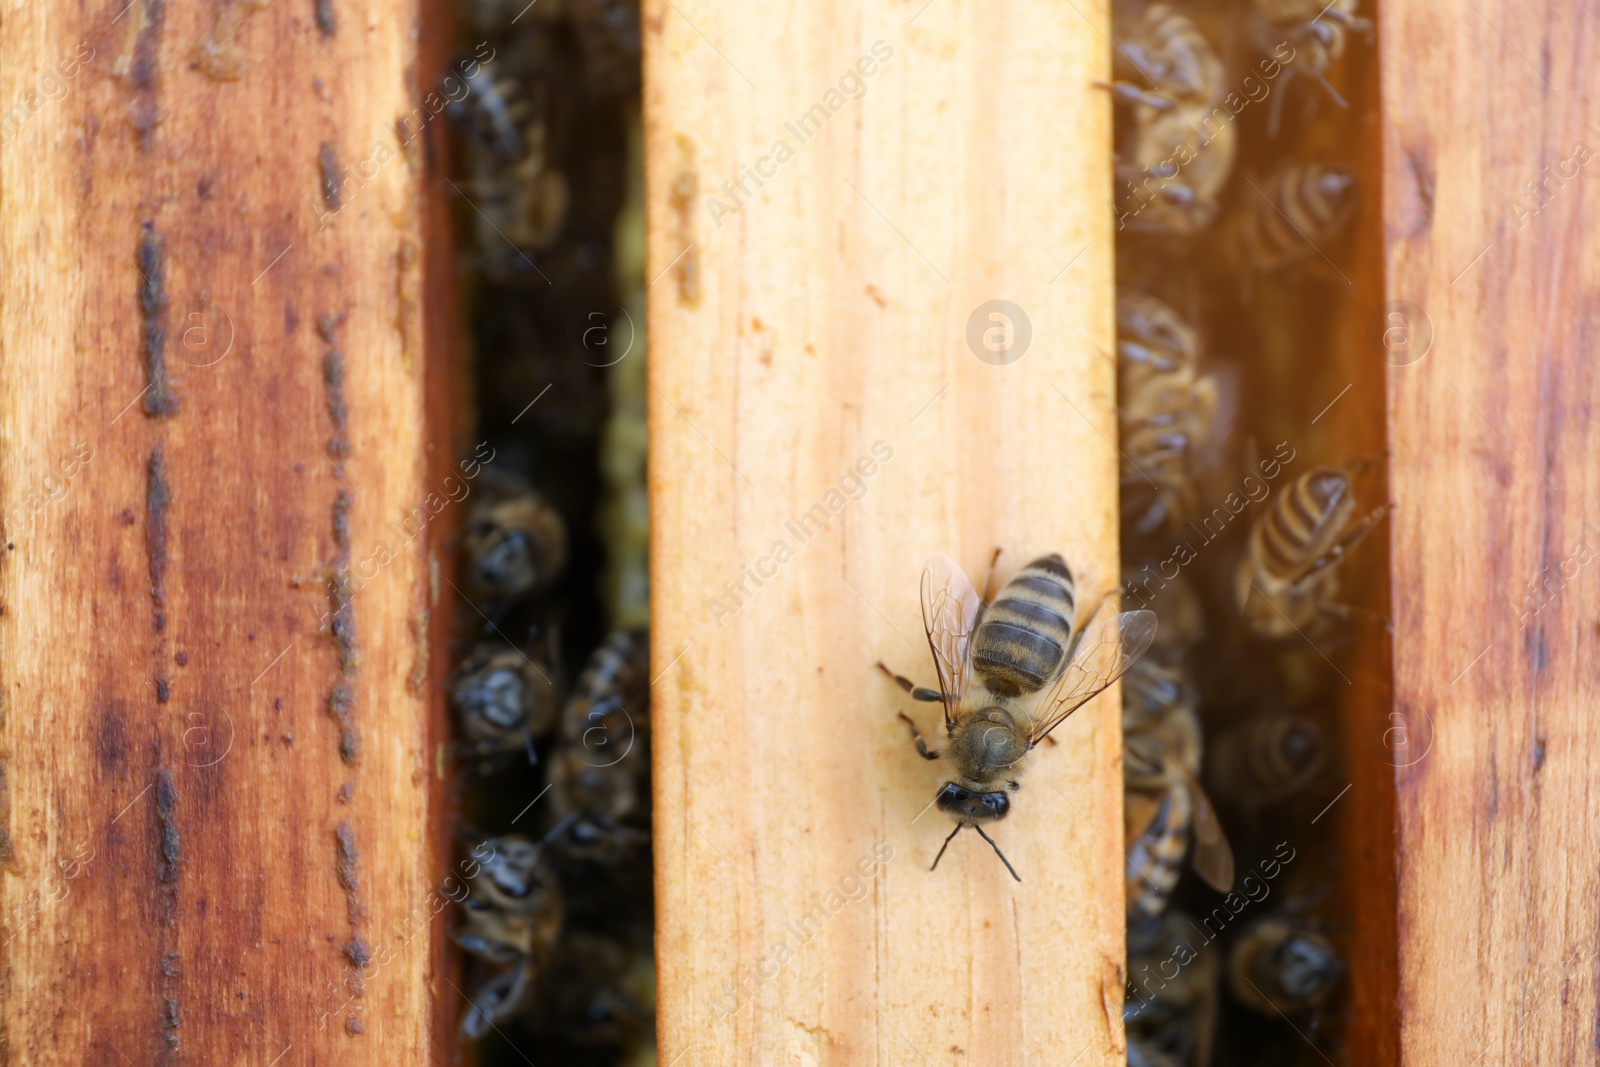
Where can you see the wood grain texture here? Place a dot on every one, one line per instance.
(796, 325)
(1493, 471)
(212, 418)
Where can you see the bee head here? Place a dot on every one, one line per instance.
(969, 808)
(505, 561)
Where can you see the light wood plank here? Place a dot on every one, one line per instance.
(789, 337)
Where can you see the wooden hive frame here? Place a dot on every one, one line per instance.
(798, 317)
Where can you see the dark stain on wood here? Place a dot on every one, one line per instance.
(357, 952)
(338, 412)
(158, 497)
(163, 690)
(159, 400)
(110, 744)
(340, 595)
(328, 163)
(7, 851)
(328, 327)
(171, 847)
(342, 706)
(327, 18)
(170, 1023)
(145, 111)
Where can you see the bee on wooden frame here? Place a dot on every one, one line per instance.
(1165, 47)
(1011, 669)
(1290, 572)
(514, 543)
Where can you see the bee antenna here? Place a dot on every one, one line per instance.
(997, 852)
(946, 845)
(559, 828)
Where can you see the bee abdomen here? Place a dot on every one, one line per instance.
(1155, 858)
(1023, 638)
(1305, 206)
(1296, 524)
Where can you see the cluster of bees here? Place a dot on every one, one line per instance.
(557, 925)
(1230, 194)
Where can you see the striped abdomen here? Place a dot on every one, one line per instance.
(1021, 642)
(1155, 857)
(1303, 522)
(1302, 208)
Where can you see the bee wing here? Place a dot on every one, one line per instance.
(949, 615)
(1102, 655)
(1213, 856)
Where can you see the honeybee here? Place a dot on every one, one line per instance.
(1292, 215)
(1173, 417)
(611, 702)
(1172, 167)
(499, 1000)
(519, 911)
(1290, 572)
(1167, 49)
(1268, 759)
(505, 701)
(1172, 1002)
(1280, 966)
(1165, 807)
(514, 543)
(596, 992)
(519, 198)
(1034, 663)
(1317, 32)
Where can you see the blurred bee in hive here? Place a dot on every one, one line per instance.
(514, 542)
(1177, 148)
(1010, 671)
(1174, 418)
(1146, 1054)
(1177, 606)
(518, 196)
(608, 36)
(1165, 809)
(1287, 579)
(1172, 999)
(511, 926)
(1266, 760)
(597, 991)
(1316, 31)
(1280, 966)
(505, 702)
(1291, 218)
(599, 779)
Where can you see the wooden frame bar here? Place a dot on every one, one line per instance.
(222, 397)
(832, 195)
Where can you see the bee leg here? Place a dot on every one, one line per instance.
(1129, 93)
(916, 737)
(946, 845)
(997, 852)
(1351, 613)
(988, 582)
(917, 692)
